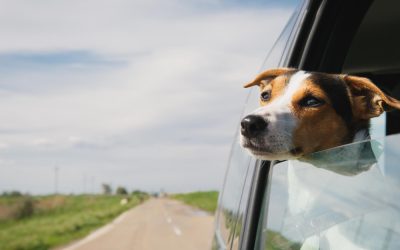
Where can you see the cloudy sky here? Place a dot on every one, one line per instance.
(145, 93)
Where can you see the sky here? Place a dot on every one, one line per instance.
(145, 94)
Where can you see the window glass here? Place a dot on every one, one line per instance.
(239, 168)
(277, 54)
(243, 205)
(342, 198)
(232, 203)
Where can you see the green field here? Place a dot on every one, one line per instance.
(204, 200)
(43, 222)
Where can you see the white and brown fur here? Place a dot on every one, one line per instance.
(293, 129)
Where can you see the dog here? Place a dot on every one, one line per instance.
(303, 115)
(304, 112)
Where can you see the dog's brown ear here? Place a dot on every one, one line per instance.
(268, 75)
(368, 100)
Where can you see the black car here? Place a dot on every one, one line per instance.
(332, 211)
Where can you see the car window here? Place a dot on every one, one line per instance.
(342, 198)
(233, 199)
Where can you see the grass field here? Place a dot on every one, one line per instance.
(204, 200)
(48, 221)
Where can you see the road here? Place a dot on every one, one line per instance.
(156, 224)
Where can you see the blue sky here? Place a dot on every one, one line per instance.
(143, 94)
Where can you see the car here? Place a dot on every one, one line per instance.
(333, 211)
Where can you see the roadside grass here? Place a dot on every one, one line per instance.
(204, 200)
(56, 220)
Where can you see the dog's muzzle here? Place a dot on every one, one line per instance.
(252, 126)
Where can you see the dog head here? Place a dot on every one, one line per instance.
(303, 112)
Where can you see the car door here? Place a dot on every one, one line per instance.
(340, 204)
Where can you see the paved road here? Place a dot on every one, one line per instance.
(156, 224)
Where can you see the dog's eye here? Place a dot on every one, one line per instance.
(265, 96)
(311, 101)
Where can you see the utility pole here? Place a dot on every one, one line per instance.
(56, 179)
(84, 183)
(92, 187)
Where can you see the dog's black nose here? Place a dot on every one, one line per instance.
(252, 125)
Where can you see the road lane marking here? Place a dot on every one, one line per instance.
(175, 228)
(177, 231)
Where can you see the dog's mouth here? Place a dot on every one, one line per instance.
(275, 150)
(260, 150)
(253, 147)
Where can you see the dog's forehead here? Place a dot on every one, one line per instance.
(290, 84)
(297, 80)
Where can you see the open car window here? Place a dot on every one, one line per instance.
(342, 198)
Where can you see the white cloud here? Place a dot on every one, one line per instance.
(181, 67)
(129, 26)
(42, 142)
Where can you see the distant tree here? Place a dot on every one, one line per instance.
(15, 193)
(106, 188)
(23, 208)
(121, 191)
(141, 195)
(137, 192)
